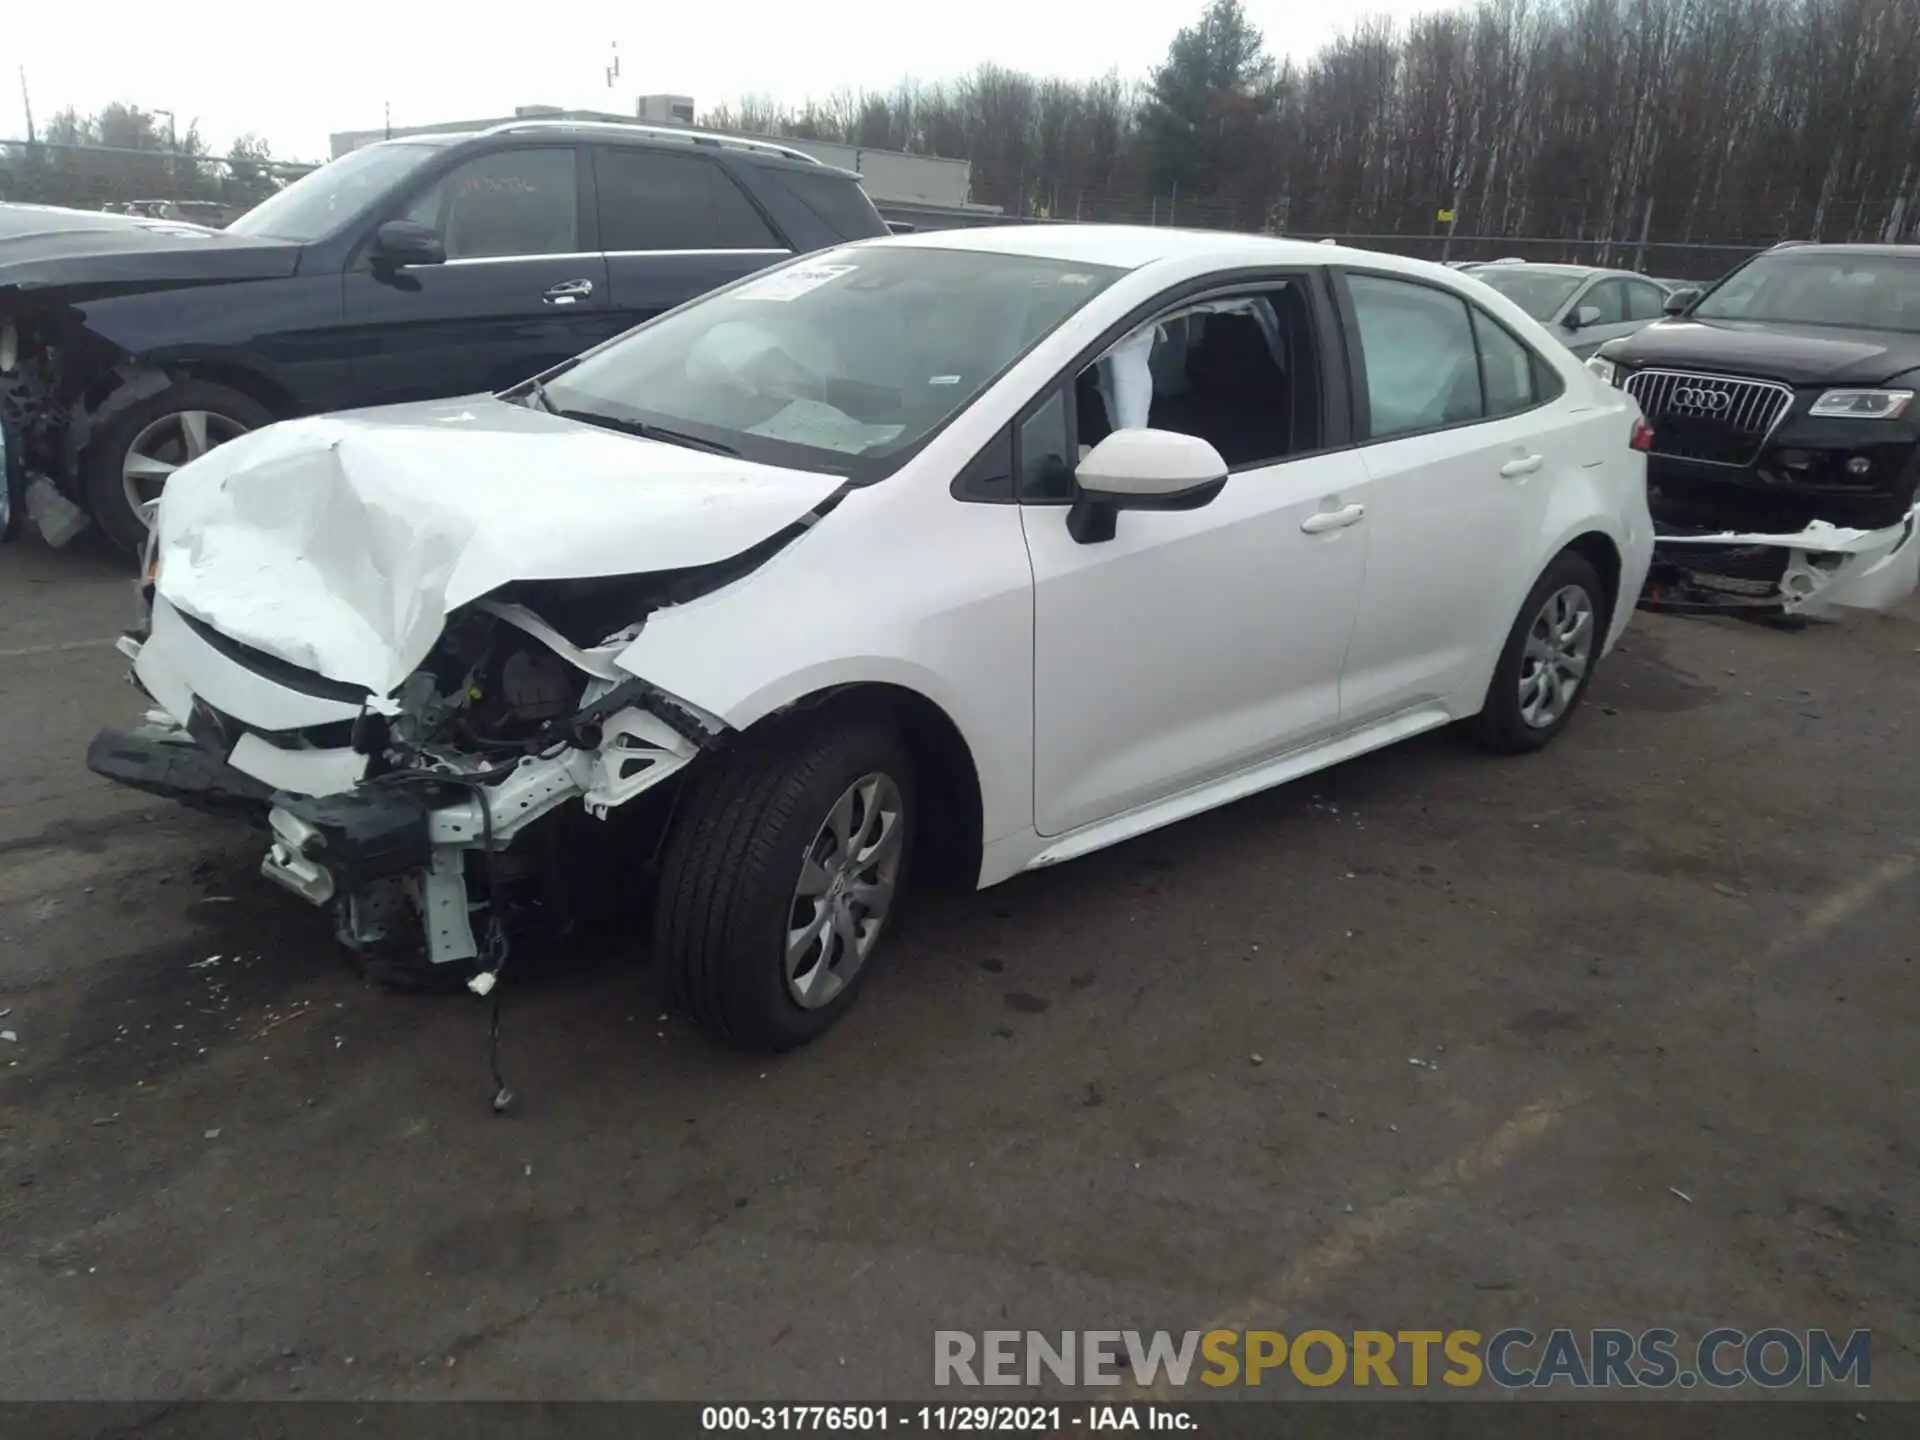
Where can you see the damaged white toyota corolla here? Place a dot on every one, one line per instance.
(977, 551)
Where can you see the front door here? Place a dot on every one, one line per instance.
(520, 290)
(1198, 643)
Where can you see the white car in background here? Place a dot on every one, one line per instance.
(978, 549)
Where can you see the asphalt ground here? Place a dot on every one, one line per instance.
(1618, 1035)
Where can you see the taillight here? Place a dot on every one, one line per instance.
(1642, 438)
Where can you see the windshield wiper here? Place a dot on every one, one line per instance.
(648, 431)
(538, 393)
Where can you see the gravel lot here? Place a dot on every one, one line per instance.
(1167, 1086)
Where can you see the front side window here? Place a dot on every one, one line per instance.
(843, 362)
(1645, 302)
(1240, 372)
(653, 201)
(1609, 297)
(512, 202)
(322, 201)
(1419, 367)
(1047, 452)
(1864, 292)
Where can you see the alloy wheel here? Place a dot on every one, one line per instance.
(1559, 649)
(168, 443)
(846, 889)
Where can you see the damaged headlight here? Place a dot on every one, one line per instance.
(1862, 404)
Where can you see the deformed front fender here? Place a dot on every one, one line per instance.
(852, 605)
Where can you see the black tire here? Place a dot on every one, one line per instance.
(13, 495)
(1500, 727)
(732, 863)
(102, 467)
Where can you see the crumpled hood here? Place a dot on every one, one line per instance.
(341, 543)
(43, 246)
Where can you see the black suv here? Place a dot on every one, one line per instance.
(1784, 394)
(407, 270)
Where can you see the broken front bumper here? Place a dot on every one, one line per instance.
(383, 846)
(1812, 573)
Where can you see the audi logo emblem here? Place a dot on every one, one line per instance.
(1694, 397)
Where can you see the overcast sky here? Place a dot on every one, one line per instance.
(242, 67)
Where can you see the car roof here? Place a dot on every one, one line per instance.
(671, 138)
(1129, 247)
(1549, 268)
(1811, 247)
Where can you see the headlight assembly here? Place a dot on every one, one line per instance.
(1862, 404)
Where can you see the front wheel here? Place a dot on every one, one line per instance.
(13, 491)
(1547, 661)
(781, 878)
(128, 462)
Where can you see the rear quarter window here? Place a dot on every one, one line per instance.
(840, 203)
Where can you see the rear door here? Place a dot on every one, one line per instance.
(520, 290)
(1463, 446)
(673, 226)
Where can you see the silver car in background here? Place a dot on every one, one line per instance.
(1581, 306)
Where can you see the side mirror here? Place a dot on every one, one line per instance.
(1681, 300)
(1141, 470)
(1584, 316)
(407, 242)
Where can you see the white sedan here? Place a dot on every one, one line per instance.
(976, 551)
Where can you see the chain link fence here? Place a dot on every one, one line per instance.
(170, 184)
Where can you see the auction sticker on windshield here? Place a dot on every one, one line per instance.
(792, 283)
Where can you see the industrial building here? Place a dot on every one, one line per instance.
(924, 191)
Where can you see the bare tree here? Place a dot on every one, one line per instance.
(1582, 122)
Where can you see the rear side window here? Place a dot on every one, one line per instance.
(1419, 366)
(1507, 369)
(840, 203)
(1645, 302)
(651, 201)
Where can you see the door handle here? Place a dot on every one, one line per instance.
(1525, 465)
(1322, 521)
(568, 292)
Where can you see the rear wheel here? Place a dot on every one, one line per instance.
(1547, 661)
(781, 878)
(128, 462)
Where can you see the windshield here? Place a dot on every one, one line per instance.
(1866, 292)
(321, 201)
(843, 362)
(1540, 293)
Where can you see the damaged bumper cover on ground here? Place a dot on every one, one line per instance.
(1811, 573)
(337, 645)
